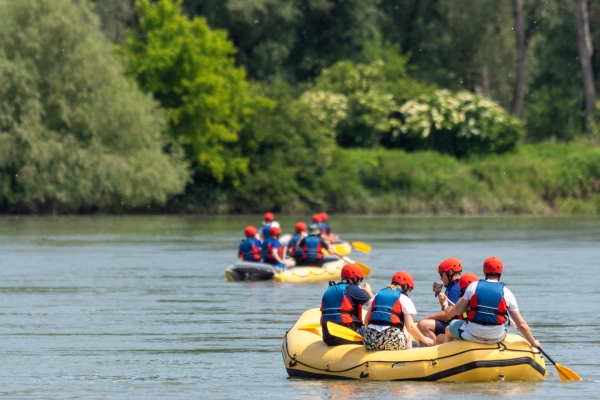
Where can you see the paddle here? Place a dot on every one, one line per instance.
(362, 247)
(564, 373)
(366, 270)
(343, 332)
(334, 329)
(311, 326)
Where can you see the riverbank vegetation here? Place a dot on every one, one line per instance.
(238, 106)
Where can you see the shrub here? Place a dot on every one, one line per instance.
(461, 124)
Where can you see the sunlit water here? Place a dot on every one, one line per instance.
(138, 307)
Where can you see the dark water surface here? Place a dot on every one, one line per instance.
(138, 307)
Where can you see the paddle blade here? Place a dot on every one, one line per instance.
(343, 333)
(362, 247)
(366, 270)
(308, 327)
(565, 374)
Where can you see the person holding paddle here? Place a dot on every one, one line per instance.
(391, 317)
(342, 304)
(312, 247)
(433, 326)
(489, 305)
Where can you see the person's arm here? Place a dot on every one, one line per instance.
(523, 327)
(275, 253)
(461, 306)
(326, 246)
(415, 332)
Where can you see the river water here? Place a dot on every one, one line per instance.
(138, 307)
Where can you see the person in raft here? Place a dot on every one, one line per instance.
(391, 317)
(312, 247)
(293, 250)
(266, 225)
(342, 304)
(433, 326)
(272, 250)
(250, 247)
(326, 229)
(463, 283)
(488, 304)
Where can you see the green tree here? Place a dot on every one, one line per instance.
(190, 70)
(115, 17)
(295, 39)
(75, 134)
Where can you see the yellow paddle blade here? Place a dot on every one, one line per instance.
(343, 332)
(340, 249)
(362, 247)
(564, 373)
(366, 270)
(307, 327)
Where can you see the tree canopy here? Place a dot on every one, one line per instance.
(75, 134)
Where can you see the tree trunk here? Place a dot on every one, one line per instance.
(585, 50)
(521, 46)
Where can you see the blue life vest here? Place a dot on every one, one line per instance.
(387, 309)
(267, 250)
(292, 245)
(265, 231)
(488, 306)
(312, 248)
(250, 248)
(453, 291)
(337, 307)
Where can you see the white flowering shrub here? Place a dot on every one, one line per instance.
(461, 124)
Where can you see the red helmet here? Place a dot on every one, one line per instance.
(275, 230)
(300, 227)
(250, 231)
(317, 218)
(466, 280)
(450, 264)
(492, 265)
(403, 278)
(352, 271)
(269, 216)
(324, 217)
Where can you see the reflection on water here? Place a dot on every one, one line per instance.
(134, 307)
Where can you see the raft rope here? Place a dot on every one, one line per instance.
(501, 347)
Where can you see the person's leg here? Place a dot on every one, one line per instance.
(290, 262)
(427, 328)
(455, 329)
(448, 338)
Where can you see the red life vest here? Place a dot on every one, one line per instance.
(488, 306)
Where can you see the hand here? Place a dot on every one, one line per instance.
(429, 342)
(536, 344)
(366, 287)
(442, 298)
(437, 286)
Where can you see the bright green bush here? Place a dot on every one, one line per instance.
(74, 133)
(461, 124)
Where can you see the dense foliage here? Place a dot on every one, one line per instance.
(295, 105)
(74, 133)
(189, 68)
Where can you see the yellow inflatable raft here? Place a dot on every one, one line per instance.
(247, 271)
(306, 356)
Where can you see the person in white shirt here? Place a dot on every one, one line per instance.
(391, 317)
(488, 305)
